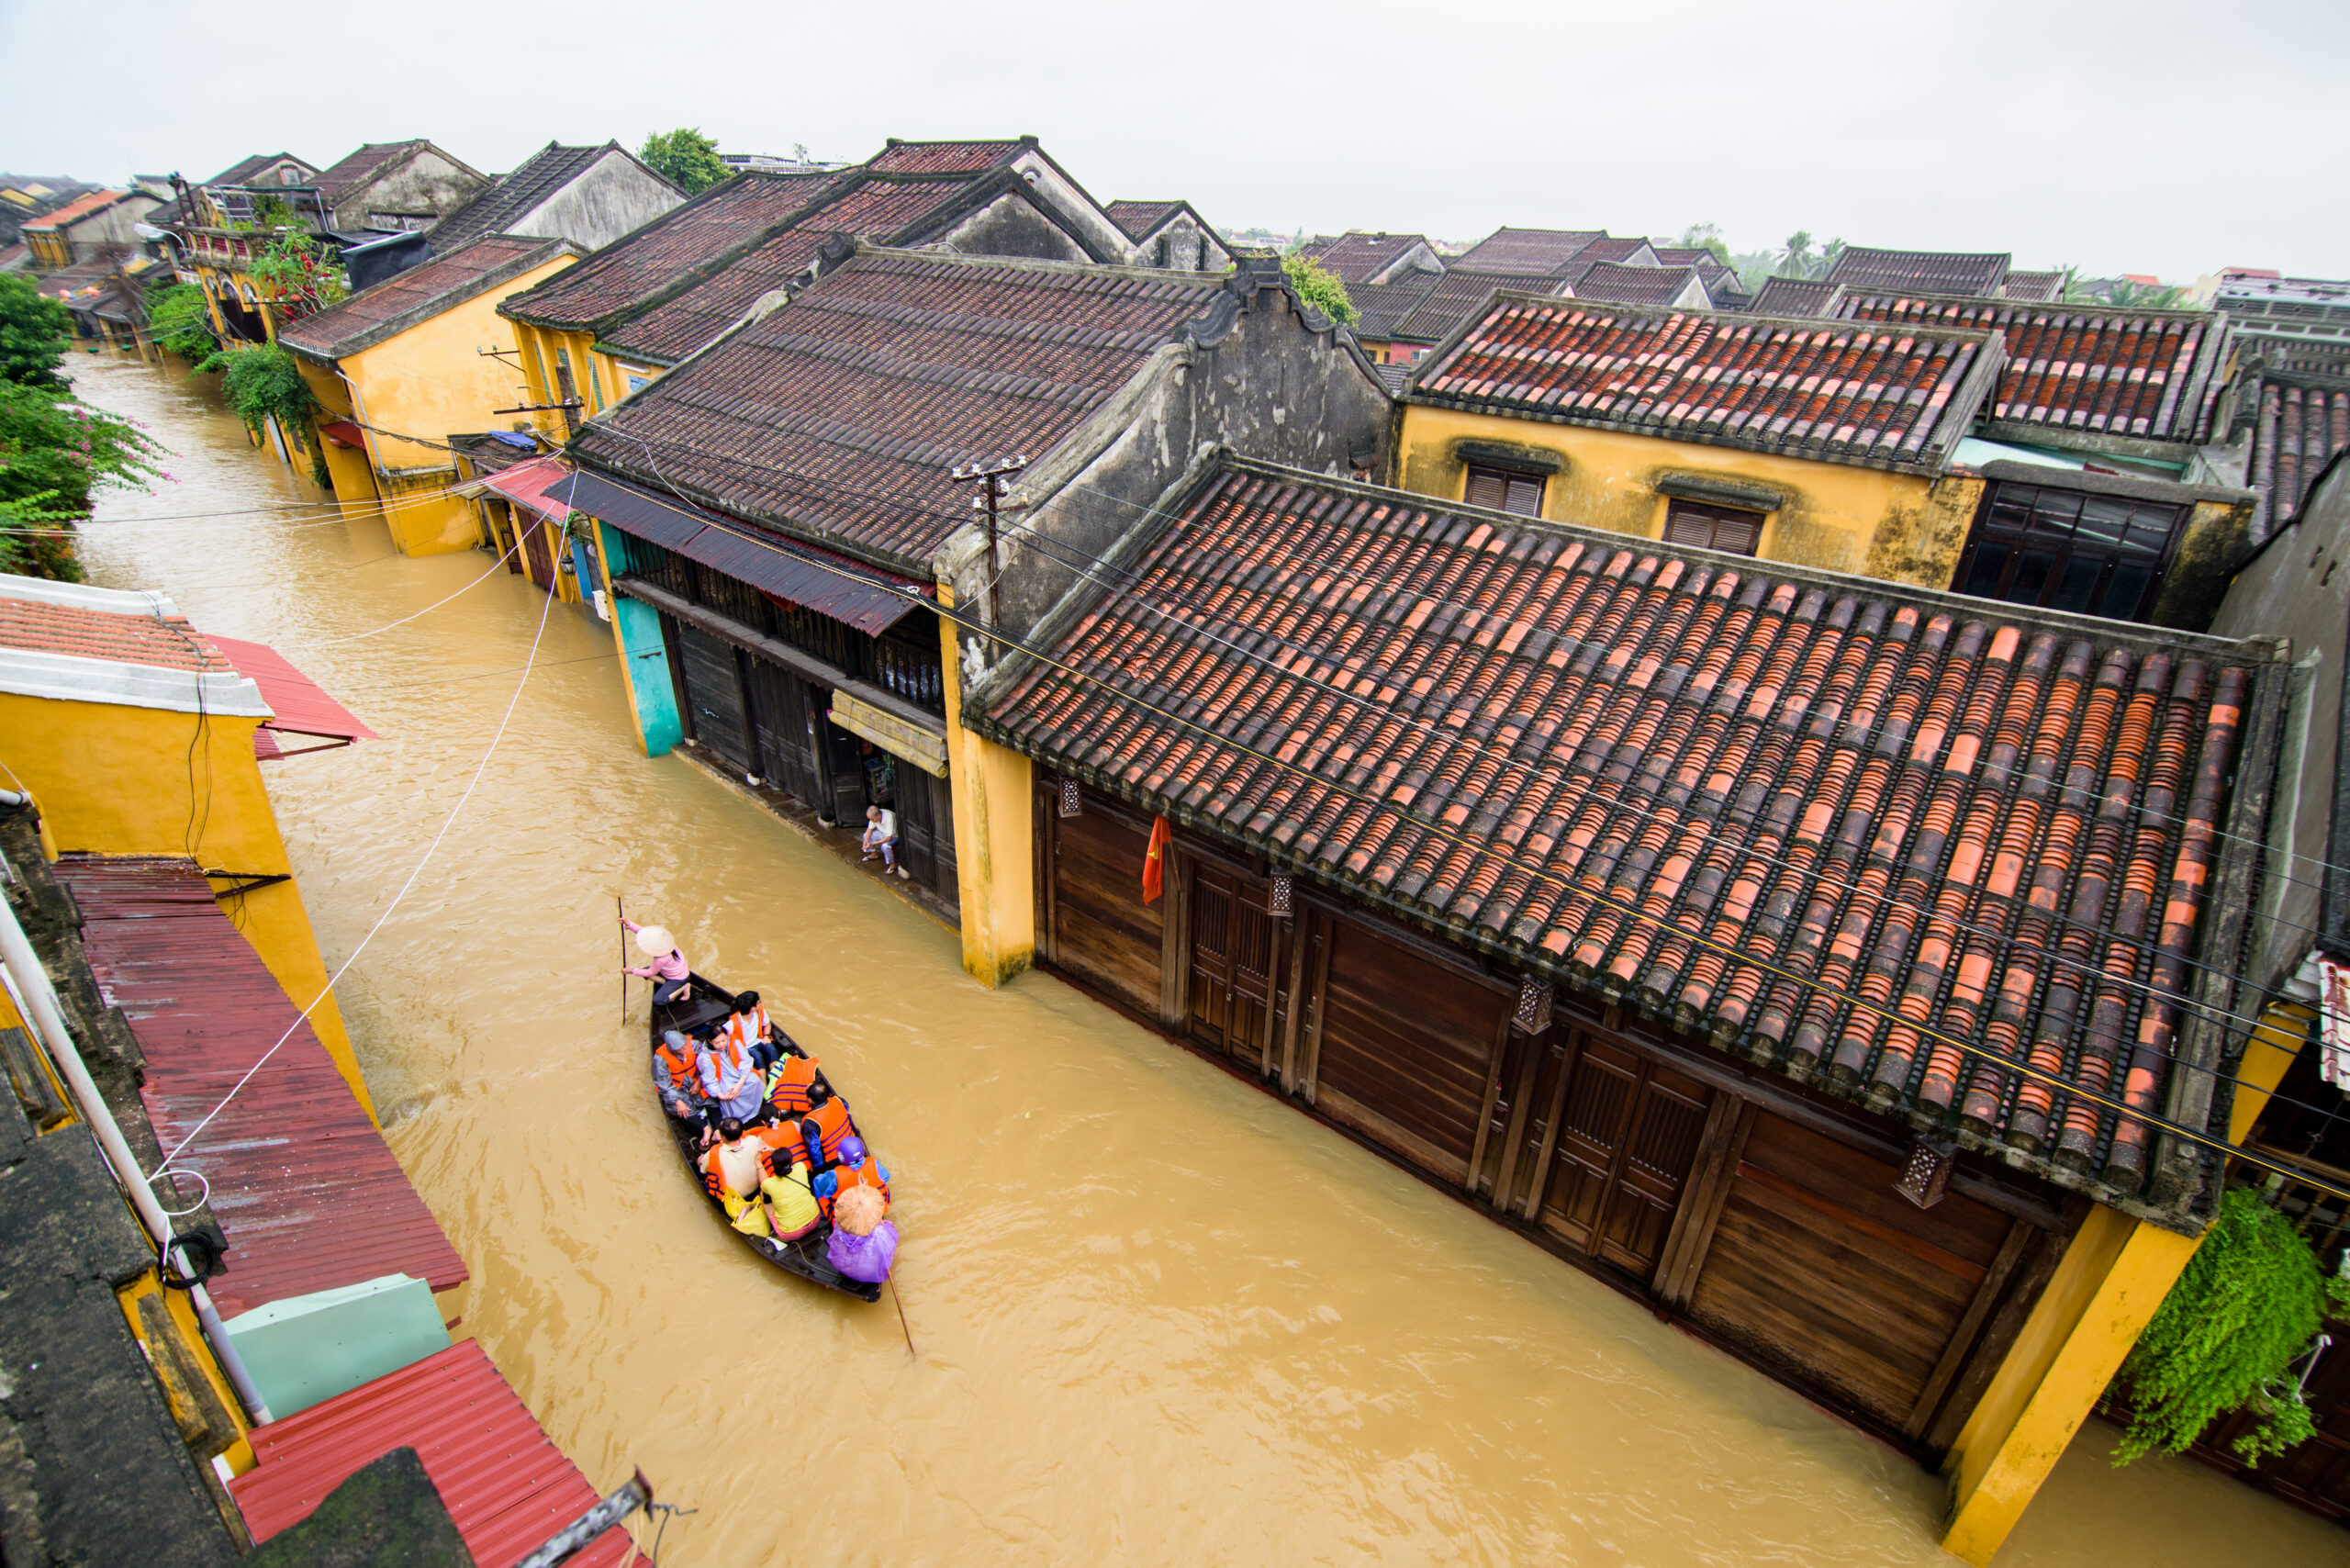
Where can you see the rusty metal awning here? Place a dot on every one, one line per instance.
(301, 1181)
(507, 1487)
(833, 585)
(302, 706)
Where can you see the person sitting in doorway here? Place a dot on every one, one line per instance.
(668, 972)
(729, 1081)
(881, 838)
(748, 1027)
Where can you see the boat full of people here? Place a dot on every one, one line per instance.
(763, 1132)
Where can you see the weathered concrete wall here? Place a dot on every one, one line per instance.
(1271, 385)
(426, 182)
(1903, 528)
(617, 194)
(2299, 587)
(1074, 204)
(1010, 226)
(1182, 246)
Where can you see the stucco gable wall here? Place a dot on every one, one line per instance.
(614, 196)
(424, 181)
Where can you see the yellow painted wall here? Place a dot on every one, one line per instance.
(354, 475)
(431, 382)
(598, 378)
(993, 790)
(1900, 527)
(2284, 1029)
(2113, 1275)
(113, 780)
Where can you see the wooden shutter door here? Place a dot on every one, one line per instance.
(1232, 933)
(785, 740)
(714, 686)
(1818, 1268)
(1102, 932)
(917, 834)
(1628, 1134)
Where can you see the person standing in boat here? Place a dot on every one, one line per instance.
(668, 972)
(729, 1081)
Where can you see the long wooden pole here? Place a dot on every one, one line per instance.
(621, 904)
(901, 1319)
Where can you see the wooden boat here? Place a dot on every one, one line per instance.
(707, 1004)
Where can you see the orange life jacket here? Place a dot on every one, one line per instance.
(786, 1147)
(788, 1088)
(868, 1175)
(832, 1124)
(747, 1029)
(681, 1068)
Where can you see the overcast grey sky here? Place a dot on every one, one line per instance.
(2152, 138)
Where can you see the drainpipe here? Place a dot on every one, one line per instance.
(30, 989)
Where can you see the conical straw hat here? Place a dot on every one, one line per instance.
(859, 1211)
(655, 942)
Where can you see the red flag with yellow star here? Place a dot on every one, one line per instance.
(1154, 864)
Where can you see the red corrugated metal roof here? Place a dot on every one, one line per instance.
(302, 706)
(505, 1486)
(544, 485)
(302, 1182)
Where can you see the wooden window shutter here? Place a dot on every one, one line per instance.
(1518, 494)
(1704, 527)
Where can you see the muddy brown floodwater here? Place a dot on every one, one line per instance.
(1159, 1317)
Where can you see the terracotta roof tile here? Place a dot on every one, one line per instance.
(2303, 425)
(1383, 307)
(879, 210)
(1940, 272)
(43, 628)
(511, 196)
(1356, 256)
(1456, 298)
(635, 267)
(944, 157)
(1534, 251)
(1634, 286)
(1785, 297)
(1688, 783)
(2145, 373)
(391, 306)
(73, 211)
(840, 415)
(1836, 391)
(1140, 217)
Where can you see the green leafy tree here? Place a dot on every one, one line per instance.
(55, 453)
(1320, 287)
(2226, 1336)
(180, 322)
(1707, 237)
(34, 334)
(264, 382)
(686, 158)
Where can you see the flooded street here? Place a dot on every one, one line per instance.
(1158, 1315)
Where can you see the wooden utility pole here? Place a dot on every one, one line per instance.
(990, 477)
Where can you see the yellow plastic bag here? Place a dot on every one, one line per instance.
(749, 1217)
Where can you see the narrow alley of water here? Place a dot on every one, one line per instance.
(1158, 1315)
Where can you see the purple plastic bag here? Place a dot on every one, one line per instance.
(865, 1258)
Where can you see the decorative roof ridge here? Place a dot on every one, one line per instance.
(1854, 293)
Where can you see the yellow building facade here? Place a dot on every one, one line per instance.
(121, 761)
(599, 380)
(413, 362)
(1902, 527)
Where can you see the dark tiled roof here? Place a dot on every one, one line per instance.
(945, 157)
(2147, 373)
(1536, 251)
(244, 171)
(883, 210)
(1726, 794)
(512, 196)
(1383, 307)
(1634, 286)
(1355, 255)
(635, 267)
(2303, 425)
(1455, 298)
(404, 298)
(1606, 248)
(840, 416)
(1832, 391)
(1796, 297)
(82, 277)
(340, 179)
(1140, 217)
(2039, 287)
(1936, 272)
